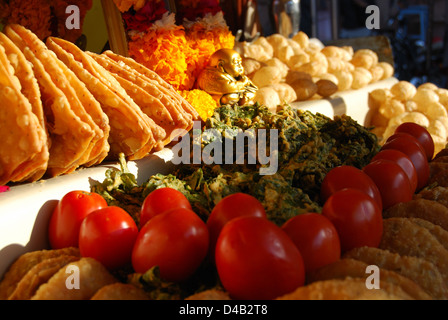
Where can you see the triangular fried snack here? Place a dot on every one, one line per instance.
(82, 102)
(71, 137)
(126, 75)
(22, 135)
(152, 75)
(130, 128)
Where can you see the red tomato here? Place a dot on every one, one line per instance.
(356, 217)
(421, 134)
(63, 230)
(403, 161)
(316, 238)
(391, 180)
(176, 241)
(343, 177)
(412, 148)
(108, 235)
(162, 200)
(232, 206)
(256, 259)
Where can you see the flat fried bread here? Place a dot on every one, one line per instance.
(438, 173)
(346, 289)
(438, 232)
(38, 275)
(352, 268)
(35, 168)
(70, 136)
(81, 101)
(182, 118)
(92, 276)
(422, 272)
(151, 106)
(26, 262)
(438, 193)
(130, 131)
(23, 137)
(430, 210)
(402, 236)
(152, 75)
(210, 294)
(120, 291)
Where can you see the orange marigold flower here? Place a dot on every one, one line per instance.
(206, 36)
(164, 49)
(179, 53)
(32, 14)
(125, 5)
(203, 102)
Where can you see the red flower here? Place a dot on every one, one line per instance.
(144, 18)
(4, 188)
(202, 8)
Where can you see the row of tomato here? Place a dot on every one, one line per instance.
(254, 258)
(354, 199)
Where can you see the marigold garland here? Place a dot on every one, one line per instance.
(207, 35)
(203, 102)
(178, 53)
(32, 14)
(125, 5)
(43, 17)
(144, 17)
(164, 49)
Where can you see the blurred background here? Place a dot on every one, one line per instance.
(416, 31)
(411, 34)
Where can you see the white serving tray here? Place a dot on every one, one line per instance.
(25, 209)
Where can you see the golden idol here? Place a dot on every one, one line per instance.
(224, 79)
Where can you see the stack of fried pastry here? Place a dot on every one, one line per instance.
(62, 274)
(64, 108)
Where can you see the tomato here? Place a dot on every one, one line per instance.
(356, 217)
(343, 177)
(421, 134)
(108, 235)
(63, 230)
(412, 148)
(391, 180)
(403, 161)
(256, 259)
(176, 241)
(232, 206)
(316, 238)
(162, 200)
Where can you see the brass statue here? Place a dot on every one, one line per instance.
(224, 79)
